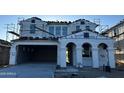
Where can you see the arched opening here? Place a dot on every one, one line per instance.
(87, 54)
(103, 54)
(70, 54)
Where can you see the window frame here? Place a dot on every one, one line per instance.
(63, 31)
(58, 31)
(78, 28)
(53, 29)
(86, 35)
(32, 28)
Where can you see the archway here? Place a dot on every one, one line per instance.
(87, 54)
(70, 54)
(103, 54)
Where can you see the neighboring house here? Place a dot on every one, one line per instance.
(4, 52)
(62, 43)
(117, 33)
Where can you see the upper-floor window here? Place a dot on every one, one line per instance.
(77, 28)
(32, 28)
(33, 21)
(51, 29)
(86, 35)
(82, 22)
(58, 30)
(64, 31)
(87, 27)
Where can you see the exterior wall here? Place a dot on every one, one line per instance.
(72, 27)
(94, 61)
(25, 27)
(117, 33)
(87, 61)
(4, 55)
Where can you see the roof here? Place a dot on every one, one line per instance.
(84, 20)
(121, 22)
(58, 22)
(3, 42)
(80, 31)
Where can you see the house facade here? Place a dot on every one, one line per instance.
(117, 33)
(62, 43)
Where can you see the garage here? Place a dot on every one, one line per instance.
(36, 54)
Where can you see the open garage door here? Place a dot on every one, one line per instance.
(36, 54)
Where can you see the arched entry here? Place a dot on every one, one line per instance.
(103, 54)
(70, 54)
(87, 54)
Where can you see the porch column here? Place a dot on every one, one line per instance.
(111, 58)
(58, 55)
(79, 56)
(12, 59)
(62, 57)
(95, 57)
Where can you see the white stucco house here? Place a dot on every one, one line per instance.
(63, 43)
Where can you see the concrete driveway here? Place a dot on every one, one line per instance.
(30, 70)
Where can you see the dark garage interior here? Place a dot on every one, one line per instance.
(36, 54)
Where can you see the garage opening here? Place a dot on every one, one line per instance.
(36, 54)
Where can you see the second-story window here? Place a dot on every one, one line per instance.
(58, 30)
(32, 28)
(77, 28)
(33, 21)
(64, 31)
(82, 22)
(86, 35)
(87, 27)
(51, 29)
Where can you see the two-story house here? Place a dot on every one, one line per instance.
(64, 43)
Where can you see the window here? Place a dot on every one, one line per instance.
(32, 28)
(86, 35)
(87, 27)
(51, 30)
(33, 21)
(58, 31)
(77, 28)
(64, 31)
(82, 22)
(115, 32)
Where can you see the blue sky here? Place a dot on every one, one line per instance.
(105, 19)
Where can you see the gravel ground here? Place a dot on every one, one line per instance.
(90, 73)
(47, 70)
(28, 71)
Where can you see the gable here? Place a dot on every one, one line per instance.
(83, 33)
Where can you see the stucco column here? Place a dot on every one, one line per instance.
(95, 57)
(12, 60)
(58, 55)
(62, 57)
(111, 58)
(79, 56)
